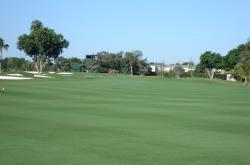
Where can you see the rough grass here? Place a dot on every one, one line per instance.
(119, 120)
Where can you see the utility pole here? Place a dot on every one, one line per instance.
(191, 66)
(162, 68)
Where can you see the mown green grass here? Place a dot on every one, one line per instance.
(119, 120)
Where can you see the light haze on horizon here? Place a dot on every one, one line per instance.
(164, 30)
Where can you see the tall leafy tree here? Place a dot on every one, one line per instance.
(243, 67)
(132, 59)
(42, 44)
(3, 46)
(209, 62)
(111, 61)
(233, 57)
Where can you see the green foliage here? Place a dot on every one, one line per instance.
(3, 46)
(68, 64)
(110, 61)
(131, 59)
(243, 69)
(233, 57)
(210, 60)
(36, 25)
(117, 62)
(187, 74)
(236, 59)
(245, 55)
(199, 69)
(42, 44)
(15, 64)
(169, 74)
(199, 74)
(220, 76)
(89, 65)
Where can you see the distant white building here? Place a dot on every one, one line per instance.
(153, 68)
(187, 68)
(168, 68)
(230, 77)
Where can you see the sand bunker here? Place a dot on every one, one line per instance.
(31, 72)
(15, 74)
(42, 76)
(51, 72)
(13, 78)
(65, 73)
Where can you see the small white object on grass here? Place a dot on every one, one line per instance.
(3, 89)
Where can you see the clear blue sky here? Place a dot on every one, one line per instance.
(169, 30)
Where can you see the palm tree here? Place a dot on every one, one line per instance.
(243, 69)
(3, 46)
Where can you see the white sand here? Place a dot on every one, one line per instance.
(51, 72)
(42, 76)
(65, 73)
(15, 74)
(32, 72)
(13, 78)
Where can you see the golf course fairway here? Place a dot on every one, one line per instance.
(97, 119)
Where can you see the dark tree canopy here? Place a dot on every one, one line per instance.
(36, 25)
(245, 54)
(209, 62)
(243, 67)
(133, 58)
(3, 46)
(233, 57)
(41, 44)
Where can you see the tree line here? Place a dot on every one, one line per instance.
(43, 45)
(235, 62)
(104, 62)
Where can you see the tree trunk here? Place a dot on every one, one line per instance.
(37, 69)
(245, 81)
(39, 64)
(41, 68)
(210, 73)
(131, 70)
